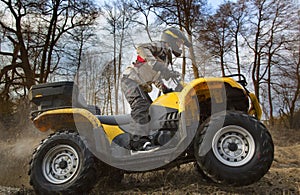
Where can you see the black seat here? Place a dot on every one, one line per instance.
(115, 120)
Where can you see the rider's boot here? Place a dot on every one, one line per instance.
(139, 139)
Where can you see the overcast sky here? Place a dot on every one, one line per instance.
(213, 3)
(216, 3)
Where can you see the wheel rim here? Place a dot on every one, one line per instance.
(60, 164)
(233, 146)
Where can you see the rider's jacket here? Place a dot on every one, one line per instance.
(148, 55)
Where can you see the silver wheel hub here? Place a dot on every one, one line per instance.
(233, 146)
(61, 164)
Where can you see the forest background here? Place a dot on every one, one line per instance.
(92, 42)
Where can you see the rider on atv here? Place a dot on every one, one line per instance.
(151, 67)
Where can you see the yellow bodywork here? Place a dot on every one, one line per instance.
(255, 109)
(178, 100)
(112, 131)
(65, 118)
(207, 87)
(169, 100)
(210, 87)
(72, 118)
(201, 88)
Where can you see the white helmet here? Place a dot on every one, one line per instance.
(174, 37)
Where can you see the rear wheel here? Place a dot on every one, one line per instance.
(233, 148)
(62, 164)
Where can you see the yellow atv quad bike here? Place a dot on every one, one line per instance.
(213, 122)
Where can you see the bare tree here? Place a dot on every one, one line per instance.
(237, 17)
(287, 86)
(95, 80)
(35, 37)
(10, 74)
(78, 41)
(270, 29)
(279, 27)
(119, 16)
(145, 8)
(215, 35)
(181, 13)
(186, 14)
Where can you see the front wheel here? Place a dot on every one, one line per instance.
(233, 148)
(62, 164)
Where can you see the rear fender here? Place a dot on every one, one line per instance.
(75, 119)
(67, 118)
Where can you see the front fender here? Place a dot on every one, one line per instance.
(201, 84)
(255, 109)
(66, 118)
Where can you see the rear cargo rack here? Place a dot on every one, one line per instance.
(58, 95)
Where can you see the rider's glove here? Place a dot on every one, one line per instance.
(171, 74)
(165, 72)
(166, 90)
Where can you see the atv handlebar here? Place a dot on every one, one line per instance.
(178, 84)
(242, 79)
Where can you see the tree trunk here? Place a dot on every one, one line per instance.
(270, 95)
(46, 53)
(237, 55)
(297, 93)
(193, 58)
(29, 74)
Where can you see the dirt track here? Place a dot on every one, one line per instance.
(283, 177)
